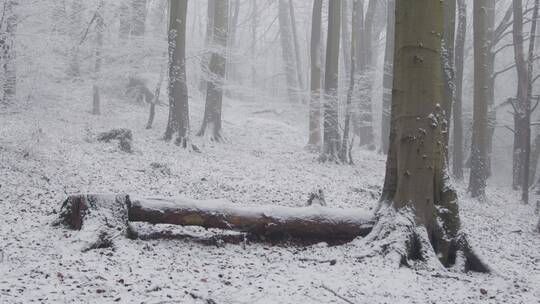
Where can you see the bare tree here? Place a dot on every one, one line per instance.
(419, 215)
(98, 50)
(331, 137)
(178, 92)
(287, 48)
(315, 102)
(457, 159)
(479, 174)
(214, 90)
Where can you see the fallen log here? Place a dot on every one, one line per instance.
(260, 223)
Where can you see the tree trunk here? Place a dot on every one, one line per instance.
(449, 72)
(230, 75)
(178, 92)
(387, 77)
(287, 48)
(419, 216)
(214, 91)
(111, 213)
(528, 110)
(9, 55)
(457, 159)
(315, 102)
(344, 153)
(364, 77)
(331, 137)
(482, 45)
(299, 64)
(346, 45)
(205, 61)
(100, 27)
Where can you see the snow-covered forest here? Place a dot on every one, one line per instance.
(269, 151)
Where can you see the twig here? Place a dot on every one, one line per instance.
(336, 294)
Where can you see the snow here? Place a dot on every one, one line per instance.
(220, 206)
(49, 150)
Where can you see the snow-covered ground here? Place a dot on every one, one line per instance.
(50, 150)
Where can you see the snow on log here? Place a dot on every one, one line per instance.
(105, 214)
(272, 223)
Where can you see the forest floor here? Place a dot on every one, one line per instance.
(50, 150)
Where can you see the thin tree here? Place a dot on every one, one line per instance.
(98, 52)
(298, 58)
(457, 159)
(214, 90)
(315, 101)
(528, 106)
(287, 49)
(205, 60)
(479, 150)
(178, 92)
(449, 71)
(331, 137)
(364, 75)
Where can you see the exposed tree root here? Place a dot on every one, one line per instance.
(407, 244)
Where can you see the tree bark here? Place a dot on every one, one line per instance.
(331, 137)
(479, 150)
(449, 72)
(214, 90)
(528, 108)
(109, 214)
(139, 17)
(287, 48)
(419, 215)
(314, 141)
(178, 121)
(387, 77)
(457, 159)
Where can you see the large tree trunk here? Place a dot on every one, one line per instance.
(419, 216)
(387, 77)
(479, 150)
(178, 92)
(316, 64)
(287, 48)
(457, 159)
(102, 217)
(214, 90)
(100, 27)
(9, 53)
(331, 137)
